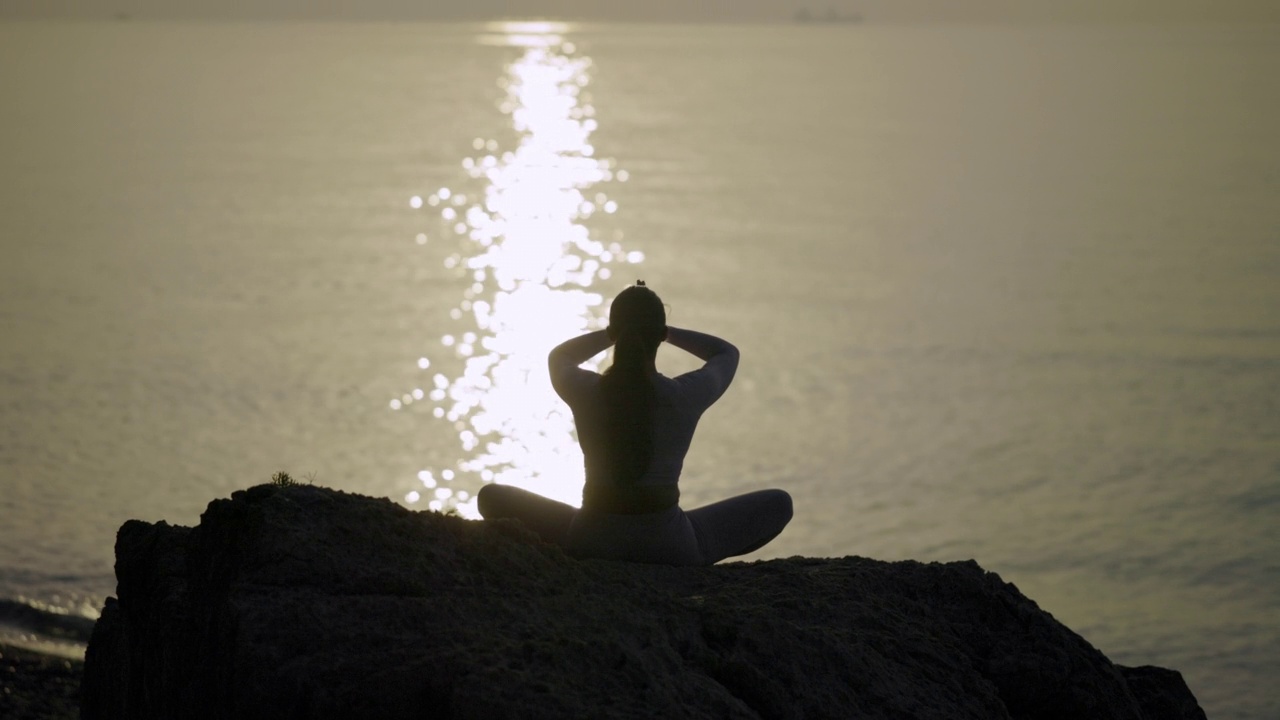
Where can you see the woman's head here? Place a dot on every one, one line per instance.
(638, 312)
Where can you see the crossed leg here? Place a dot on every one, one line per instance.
(740, 524)
(549, 518)
(723, 529)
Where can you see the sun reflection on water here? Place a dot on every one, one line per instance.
(525, 222)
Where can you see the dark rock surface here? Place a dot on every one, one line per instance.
(35, 686)
(303, 602)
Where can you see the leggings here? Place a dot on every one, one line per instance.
(703, 536)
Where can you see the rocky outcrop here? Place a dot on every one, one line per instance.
(304, 602)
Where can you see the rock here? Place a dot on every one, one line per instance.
(304, 602)
(36, 686)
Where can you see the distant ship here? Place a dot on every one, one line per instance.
(803, 16)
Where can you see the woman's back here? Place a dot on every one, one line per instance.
(675, 407)
(635, 427)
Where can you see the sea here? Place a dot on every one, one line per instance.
(1002, 292)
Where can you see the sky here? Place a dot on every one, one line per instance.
(665, 10)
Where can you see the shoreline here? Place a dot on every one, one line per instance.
(37, 685)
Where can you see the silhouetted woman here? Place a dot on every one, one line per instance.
(635, 426)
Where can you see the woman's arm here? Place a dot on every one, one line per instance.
(705, 385)
(702, 345)
(580, 349)
(565, 358)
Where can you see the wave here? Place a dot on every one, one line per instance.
(47, 625)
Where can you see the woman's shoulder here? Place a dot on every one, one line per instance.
(703, 386)
(575, 385)
(681, 389)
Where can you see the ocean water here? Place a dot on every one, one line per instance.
(1002, 293)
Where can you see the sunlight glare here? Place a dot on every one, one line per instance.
(526, 34)
(528, 260)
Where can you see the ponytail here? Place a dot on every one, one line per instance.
(628, 400)
(638, 325)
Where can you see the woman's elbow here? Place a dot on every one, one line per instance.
(729, 355)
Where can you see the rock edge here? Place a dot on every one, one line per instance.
(305, 602)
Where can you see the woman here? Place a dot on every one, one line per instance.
(635, 426)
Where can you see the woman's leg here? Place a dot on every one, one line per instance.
(547, 517)
(740, 524)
